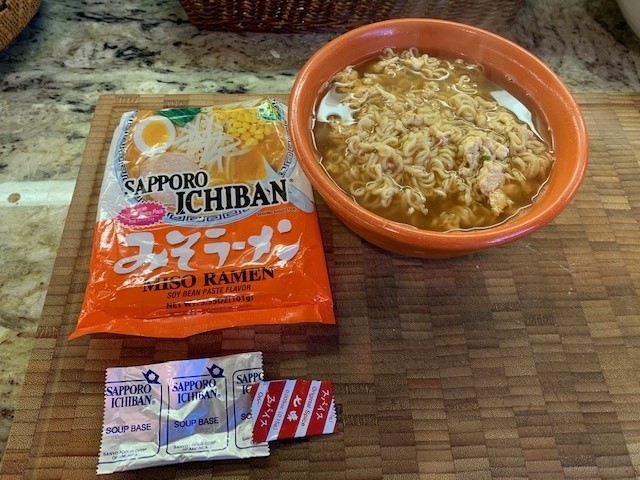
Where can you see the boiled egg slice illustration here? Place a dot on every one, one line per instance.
(154, 134)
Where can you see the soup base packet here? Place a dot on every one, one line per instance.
(179, 411)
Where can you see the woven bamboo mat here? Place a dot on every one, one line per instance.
(517, 362)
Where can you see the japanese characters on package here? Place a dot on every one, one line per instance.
(205, 221)
(292, 408)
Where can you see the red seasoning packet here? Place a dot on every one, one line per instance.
(283, 409)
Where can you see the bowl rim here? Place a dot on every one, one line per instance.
(406, 234)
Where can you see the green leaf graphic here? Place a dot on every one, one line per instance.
(180, 116)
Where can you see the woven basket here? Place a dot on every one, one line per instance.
(14, 16)
(339, 15)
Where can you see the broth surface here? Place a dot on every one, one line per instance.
(428, 142)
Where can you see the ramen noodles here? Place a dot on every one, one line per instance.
(204, 221)
(421, 140)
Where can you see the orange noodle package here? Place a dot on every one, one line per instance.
(205, 221)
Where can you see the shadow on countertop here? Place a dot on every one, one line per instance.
(609, 16)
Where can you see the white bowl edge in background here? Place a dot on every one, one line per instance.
(631, 12)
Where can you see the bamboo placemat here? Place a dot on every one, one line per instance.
(518, 362)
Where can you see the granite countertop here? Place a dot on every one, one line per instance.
(73, 51)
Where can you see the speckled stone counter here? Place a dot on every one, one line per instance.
(72, 52)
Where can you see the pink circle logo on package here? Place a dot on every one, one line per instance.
(142, 214)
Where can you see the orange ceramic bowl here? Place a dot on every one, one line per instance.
(518, 71)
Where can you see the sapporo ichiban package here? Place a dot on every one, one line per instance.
(205, 221)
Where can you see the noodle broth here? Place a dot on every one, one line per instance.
(426, 142)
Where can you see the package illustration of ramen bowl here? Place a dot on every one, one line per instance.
(205, 221)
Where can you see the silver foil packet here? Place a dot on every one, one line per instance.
(179, 411)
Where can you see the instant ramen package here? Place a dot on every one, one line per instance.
(205, 221)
